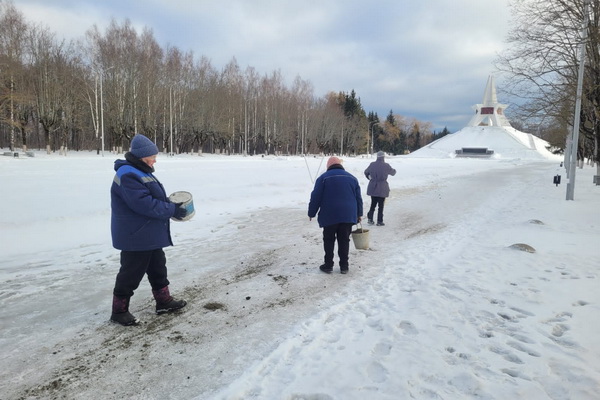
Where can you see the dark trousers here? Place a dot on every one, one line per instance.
(376, 201)
(134, 265)
(341, 233)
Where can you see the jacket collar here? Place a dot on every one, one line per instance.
(138, 163)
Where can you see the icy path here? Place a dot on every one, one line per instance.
(446, 312)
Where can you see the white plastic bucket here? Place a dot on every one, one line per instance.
(360, 237)
(188, 204)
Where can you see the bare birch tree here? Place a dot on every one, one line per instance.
(542, 60)
(14, 104)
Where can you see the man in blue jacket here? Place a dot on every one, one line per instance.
(336, 196)
(140, 213)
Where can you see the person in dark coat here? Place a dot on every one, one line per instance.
(378, 188)
(140, 228)
(336, 197)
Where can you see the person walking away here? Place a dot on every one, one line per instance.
(140, 228)
(337, 199)
(378, 188)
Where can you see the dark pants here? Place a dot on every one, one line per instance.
(134, 265)
(376, 201)
(341, 233)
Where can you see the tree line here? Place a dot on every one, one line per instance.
(58, 94)
(97, 92)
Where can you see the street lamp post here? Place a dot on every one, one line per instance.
(102, 106)
(342, 140)
(170, 121)
(575, 141)
(102, 112)
(371, 125)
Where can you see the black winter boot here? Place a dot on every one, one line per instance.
(326, 269)
(165, 303)
(120, 312)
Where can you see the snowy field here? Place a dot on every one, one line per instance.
(439, 307)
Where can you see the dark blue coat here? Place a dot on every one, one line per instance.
(336, 196)
(140, 210)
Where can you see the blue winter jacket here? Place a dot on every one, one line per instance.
(140, 209)
(336, 196)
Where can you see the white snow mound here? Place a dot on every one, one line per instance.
(506, 143)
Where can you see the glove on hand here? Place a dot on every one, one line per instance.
(180, 212)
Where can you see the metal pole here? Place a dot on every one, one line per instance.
(102, 111)
(372, 139)
(102, 71)
(342, 141)
(575, 142)
(567, 157)
(170, 122)
(246, 128)
(371, 125)
(369, 137)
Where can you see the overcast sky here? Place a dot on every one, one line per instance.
(427, 59)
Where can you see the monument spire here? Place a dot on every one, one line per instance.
(489, 112)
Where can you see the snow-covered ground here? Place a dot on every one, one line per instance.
(440, 307)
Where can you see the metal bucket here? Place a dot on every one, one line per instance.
(188, 204)
(360, 237)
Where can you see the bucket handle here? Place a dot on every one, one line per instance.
(357, 226)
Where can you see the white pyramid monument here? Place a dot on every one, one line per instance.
(488, 135)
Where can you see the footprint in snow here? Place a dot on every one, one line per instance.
(511, 372)
(559, 330)
(507, 317)
(524, 349)
(522, 338)
(521, 311)
(486, 334)
(377, 372)
(382, 349)
(560, 317)
(375, 323)
(497, 302)
(506, 354)
(513, 358)
(408, 328)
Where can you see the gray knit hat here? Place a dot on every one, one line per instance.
(380, 154)
(142, 147)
